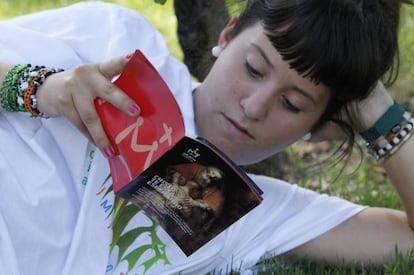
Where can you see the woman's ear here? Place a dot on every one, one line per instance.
(225, 35)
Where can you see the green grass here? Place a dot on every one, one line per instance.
(362, 182)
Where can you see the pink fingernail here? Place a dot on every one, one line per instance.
(133, 109)
(108, 152)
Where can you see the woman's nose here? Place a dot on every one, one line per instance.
(256, 105)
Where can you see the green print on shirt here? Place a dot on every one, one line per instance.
(122, 213)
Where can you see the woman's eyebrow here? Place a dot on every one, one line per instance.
(295, 88)
(263, 54)
(305, 94)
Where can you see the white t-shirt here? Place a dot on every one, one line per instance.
(58, 214)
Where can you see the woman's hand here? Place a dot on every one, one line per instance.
(71, 94)
(366, 113)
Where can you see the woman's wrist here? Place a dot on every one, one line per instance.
(18, 90)
(387, 144)
(385, 124)
(391, 118)
(389, 132)
(374, 107)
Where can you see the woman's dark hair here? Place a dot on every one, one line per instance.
(348, 45)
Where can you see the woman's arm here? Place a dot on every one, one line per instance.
(399, 165)
(71, 93)
(372, 236)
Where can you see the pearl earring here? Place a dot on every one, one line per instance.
(307, 136)
(215, 51)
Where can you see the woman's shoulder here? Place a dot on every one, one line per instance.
(85, 32)
(83, 16)
(84, 9)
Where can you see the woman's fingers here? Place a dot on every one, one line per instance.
(89, 121)
(72, 94)
(110, 92)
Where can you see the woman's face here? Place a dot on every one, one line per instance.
(252, 105)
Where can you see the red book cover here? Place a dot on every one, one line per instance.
(139, 141)
(187, 185)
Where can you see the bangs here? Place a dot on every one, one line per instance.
(328, 44)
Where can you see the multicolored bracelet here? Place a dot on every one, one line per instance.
(8, 91)
(386, 122)
(19, 89)
(386, 145)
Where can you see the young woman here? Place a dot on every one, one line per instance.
(283, 69)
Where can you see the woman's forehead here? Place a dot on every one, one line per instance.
(255, 39)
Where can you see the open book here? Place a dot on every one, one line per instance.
(185, 184)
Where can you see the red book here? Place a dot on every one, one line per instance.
(185, 184)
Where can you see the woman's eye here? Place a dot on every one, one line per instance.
(289, 105)
(252, 71)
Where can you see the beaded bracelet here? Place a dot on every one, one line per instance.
(388, 144)
(8, 92)
(18, 92)
(30, 95)
(31, 73)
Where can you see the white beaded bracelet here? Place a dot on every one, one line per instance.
(387, 145)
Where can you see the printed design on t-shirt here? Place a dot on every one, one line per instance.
(124, 239)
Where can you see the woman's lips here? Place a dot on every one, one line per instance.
(239, 128)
